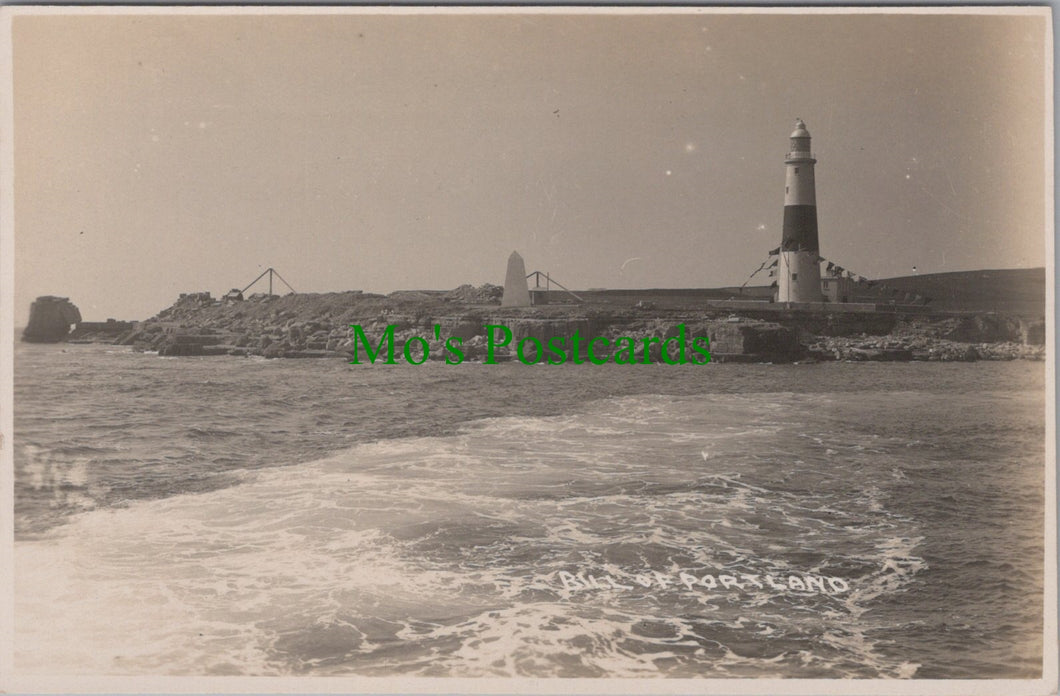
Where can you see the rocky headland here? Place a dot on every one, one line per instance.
(318, 325)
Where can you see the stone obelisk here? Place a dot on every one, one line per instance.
(516, 293)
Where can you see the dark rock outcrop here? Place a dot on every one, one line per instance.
(761, 340)
(1032, 333)
(985, 328)
(50, 319)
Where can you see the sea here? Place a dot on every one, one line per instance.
(242, 516)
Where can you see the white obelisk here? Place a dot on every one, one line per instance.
(516, 293)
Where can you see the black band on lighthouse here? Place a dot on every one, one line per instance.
(800, 228)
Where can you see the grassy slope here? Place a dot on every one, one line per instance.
(1014, 290)
(1019, 290)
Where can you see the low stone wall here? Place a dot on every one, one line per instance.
(98, 331)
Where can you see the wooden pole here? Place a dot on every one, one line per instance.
(254, 281)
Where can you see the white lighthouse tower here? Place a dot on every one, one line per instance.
(799, 269)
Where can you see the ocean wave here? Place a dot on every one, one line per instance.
(443, 555)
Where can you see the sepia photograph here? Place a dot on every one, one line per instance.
(527, 350)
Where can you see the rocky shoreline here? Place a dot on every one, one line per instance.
(318, 326)
(906, 348)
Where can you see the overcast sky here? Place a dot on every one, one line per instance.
(156, 155)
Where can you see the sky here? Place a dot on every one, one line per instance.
(156, 154)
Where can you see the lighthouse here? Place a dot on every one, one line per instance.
(799, 268)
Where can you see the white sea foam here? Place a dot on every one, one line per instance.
(439, 556)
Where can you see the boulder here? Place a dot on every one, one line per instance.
(466, 294)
